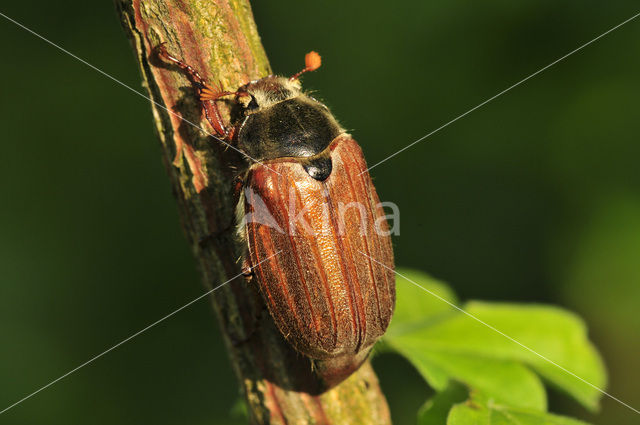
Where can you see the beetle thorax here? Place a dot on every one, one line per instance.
(281, 121)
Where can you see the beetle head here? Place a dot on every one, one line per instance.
(268, 91)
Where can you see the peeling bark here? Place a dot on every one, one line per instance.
(220, 40)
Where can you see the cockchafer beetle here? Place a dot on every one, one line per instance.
(331, 288)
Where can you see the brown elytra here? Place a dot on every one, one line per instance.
(331, 293)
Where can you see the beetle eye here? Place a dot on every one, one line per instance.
(253, 104)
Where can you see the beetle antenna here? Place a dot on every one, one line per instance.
(312, 61)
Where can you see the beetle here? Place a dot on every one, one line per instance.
(331, 287)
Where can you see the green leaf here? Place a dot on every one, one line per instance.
(436, 410)
(473, 413)
(418, 305)
(551, 334)
(479, 351)
(507, 381)
(449, 407)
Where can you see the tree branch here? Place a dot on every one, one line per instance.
(220, 40)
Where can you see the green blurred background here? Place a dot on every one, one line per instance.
(535, 197)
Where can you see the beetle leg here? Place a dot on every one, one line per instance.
(237, 189)
(256, 323)
(247, 269)
(203, 241)
(203, 90)
(212, 113)
(193, 74)
(231, 132)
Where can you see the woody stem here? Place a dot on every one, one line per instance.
(272, 377)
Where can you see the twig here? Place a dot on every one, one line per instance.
(220, 39)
